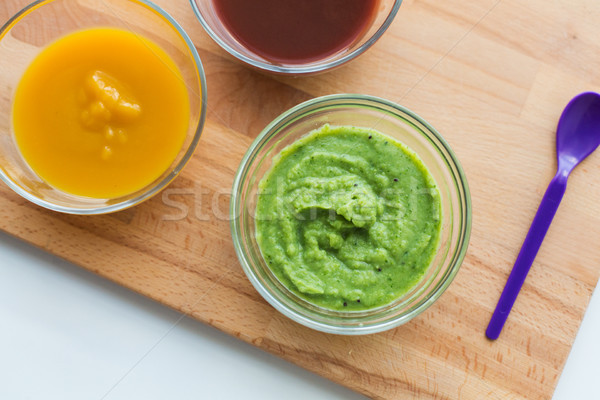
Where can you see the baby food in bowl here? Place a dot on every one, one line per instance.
(295, 36)
(350, 214)
(299, 31)
(348, 218)
(103, 126)
(104, 111)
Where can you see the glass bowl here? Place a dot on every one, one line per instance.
(207, 15)
(41, 23)
(394, 121)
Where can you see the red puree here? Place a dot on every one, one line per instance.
(296, 31)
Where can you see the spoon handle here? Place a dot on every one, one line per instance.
(531, 245)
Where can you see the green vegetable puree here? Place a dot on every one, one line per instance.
(348, 218)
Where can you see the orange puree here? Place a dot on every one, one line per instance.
(101, 113)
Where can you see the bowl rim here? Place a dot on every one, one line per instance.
(122, 205)
(463, 238)
(300, 69)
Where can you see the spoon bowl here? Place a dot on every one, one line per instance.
(578, 132)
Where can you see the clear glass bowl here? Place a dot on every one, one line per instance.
(392, 120)
(42, 22)
(209, 19)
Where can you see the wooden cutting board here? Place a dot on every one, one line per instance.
(493, 77)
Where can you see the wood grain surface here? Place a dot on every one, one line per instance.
(493, 77)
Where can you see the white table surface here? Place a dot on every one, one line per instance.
(69, 334)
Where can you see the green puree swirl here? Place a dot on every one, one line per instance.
(348, 218)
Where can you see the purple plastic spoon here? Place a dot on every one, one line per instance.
(577, 136)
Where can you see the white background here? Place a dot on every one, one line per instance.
(68, 334)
